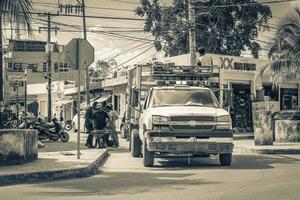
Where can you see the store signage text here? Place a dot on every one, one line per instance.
(229, 63)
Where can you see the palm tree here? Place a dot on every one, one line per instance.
(286, 47)
(13, 11)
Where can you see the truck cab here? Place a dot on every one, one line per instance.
(182, 120)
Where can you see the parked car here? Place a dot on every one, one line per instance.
(75, 121)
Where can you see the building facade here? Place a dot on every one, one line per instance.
(32, 55)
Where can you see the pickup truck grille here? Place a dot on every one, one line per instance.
(185, 125)
(189, 127)
(192, 118)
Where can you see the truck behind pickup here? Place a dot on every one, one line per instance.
(182, 120)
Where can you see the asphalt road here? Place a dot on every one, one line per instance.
(124, 177)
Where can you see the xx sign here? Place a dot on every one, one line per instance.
(79, 53)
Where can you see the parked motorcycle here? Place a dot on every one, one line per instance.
(52, 131)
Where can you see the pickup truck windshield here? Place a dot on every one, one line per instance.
(183, 97)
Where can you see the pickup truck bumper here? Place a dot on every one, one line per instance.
(217, 142)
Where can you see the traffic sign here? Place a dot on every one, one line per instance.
(17, 78)
(79, 53)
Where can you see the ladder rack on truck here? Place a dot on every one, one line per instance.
(171, 72)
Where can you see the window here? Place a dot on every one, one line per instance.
(56, 67)
(64, 67)
(29, 46)
(187, 97)
(33, 67)
(45, 67)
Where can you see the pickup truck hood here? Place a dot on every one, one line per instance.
(187, 111)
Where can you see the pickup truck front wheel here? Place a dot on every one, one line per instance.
(148, 157)
(225, 159)
(135, 143)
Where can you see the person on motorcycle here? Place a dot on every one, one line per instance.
(89, 126)
(113, 115)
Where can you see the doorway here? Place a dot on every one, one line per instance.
(241, 112)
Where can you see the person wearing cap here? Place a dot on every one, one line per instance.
(89, 126)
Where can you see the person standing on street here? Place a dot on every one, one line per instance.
(89, 113)
(113, 115)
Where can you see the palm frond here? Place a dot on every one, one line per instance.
(17, 11)
(287, 45)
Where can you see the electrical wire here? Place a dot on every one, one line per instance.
(132, 58)
(71, 15)
(246, 4)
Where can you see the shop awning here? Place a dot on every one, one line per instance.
(64, 101)
(103, 98)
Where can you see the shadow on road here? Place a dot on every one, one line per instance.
(116, 183)
(239, 162)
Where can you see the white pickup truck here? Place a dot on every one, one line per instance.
(182, 120)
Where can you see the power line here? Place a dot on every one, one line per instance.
(92, 7)
(129, 2)
(245, 4)
(133, 57)
(88, 16)
(137, 47)
(105, 33)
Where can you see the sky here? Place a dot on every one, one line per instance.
(115, 46)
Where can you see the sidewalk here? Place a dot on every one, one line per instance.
(247, 146)
(56, 160)
(54, 165)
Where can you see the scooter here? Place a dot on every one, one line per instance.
(53, 131)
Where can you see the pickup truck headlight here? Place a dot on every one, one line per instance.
(157, 119)
(224, 122)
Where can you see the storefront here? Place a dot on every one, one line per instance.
(238, 84)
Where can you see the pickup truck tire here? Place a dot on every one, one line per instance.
(225, 159)
(148, 157)
(135, 143)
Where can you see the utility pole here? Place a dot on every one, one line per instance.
(192, 33)
(87, 78)
(17, 102)
(25, 97)
(49, 68)
(80, 7)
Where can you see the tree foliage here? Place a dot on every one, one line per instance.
(286, 46)
(103, 68)
(225, 30)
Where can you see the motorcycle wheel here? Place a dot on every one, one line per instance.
(68, 127)
(64, 136)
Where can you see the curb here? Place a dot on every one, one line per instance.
(266, 151)
(89, 170)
